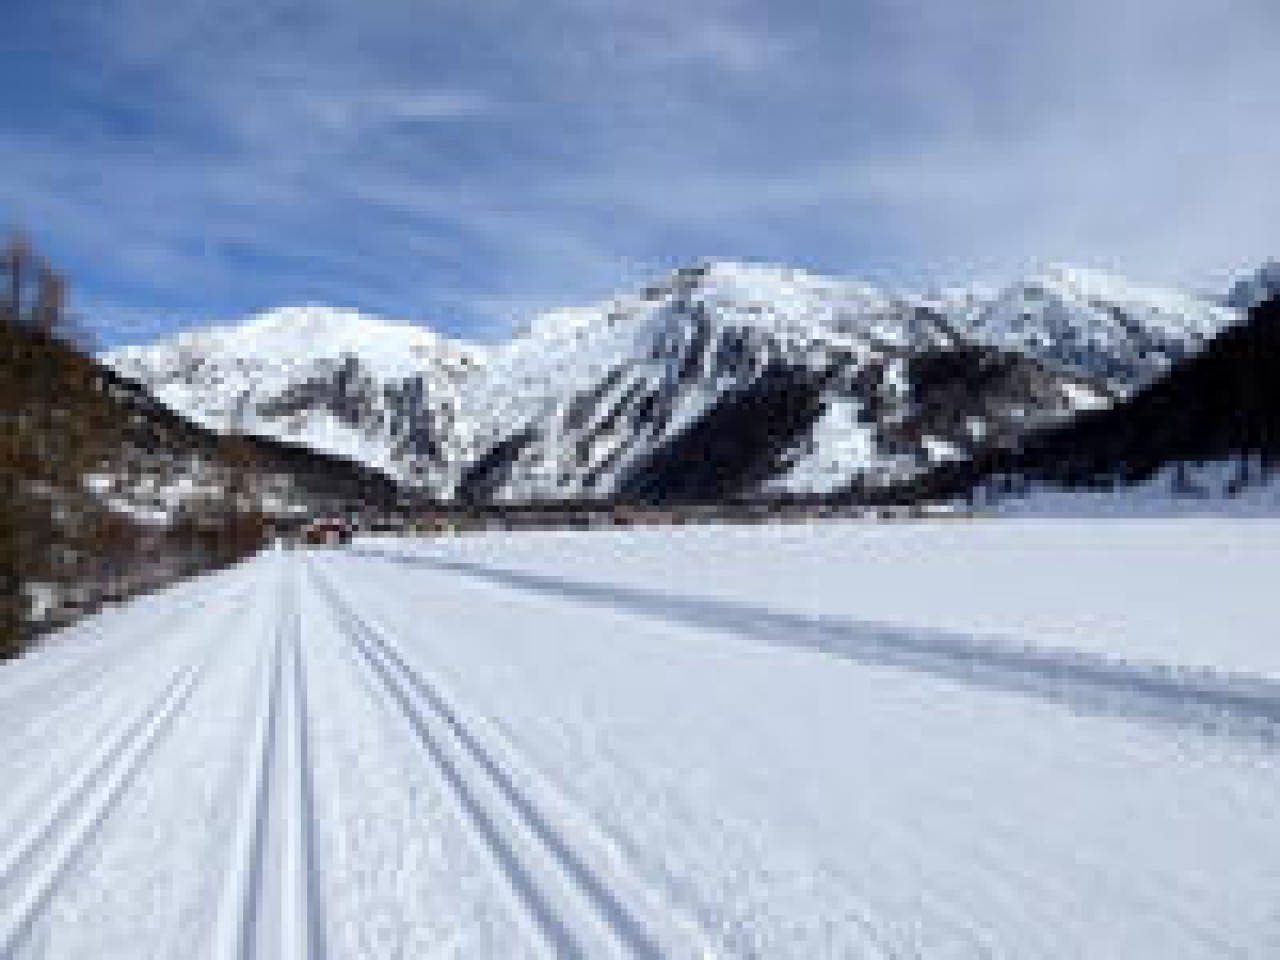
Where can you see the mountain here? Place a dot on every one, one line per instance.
(336, 381)
(681, 379)
(1097, 324)
(721, 380)
(1216, 414)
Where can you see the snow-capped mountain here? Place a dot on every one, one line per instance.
(720, 380)
(1098, 324)
(339, 381)
(622, 397)
(1256, 288)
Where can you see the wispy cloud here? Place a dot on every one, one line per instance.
(460, 162)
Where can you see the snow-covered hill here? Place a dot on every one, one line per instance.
(721, 379)
(339, 381)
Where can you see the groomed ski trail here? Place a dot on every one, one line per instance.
(640, 745)
(269, 907)
(580, 908)
(33, 864)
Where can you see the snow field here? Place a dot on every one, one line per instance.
(850, 740)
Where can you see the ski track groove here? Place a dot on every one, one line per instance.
(277, 799)
(305, 892)
(471, 773)
(64, 709)
(84, 675)
(44, 852)
(233, 929)
(1202, 700)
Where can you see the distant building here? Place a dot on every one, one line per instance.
(327, 532)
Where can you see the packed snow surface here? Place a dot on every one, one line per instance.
(1024, 738)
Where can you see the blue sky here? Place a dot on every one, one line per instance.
(463, 163)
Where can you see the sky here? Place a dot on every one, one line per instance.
(466, 163)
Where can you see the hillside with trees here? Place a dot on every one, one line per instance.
(104, 491)
(1221, 406)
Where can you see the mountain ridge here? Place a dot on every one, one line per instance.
(584, 398)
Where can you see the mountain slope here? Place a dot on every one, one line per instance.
(1221, 406)
(164, 463)
(337, 381)
(1097, 324)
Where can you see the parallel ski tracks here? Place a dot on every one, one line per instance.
(32, 866)
(67, 684)
(269, 905)
(582, 906)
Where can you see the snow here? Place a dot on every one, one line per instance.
(304, 335)
(1214, 488)
(839, 439)
(1082, 397)
(1020, 737)
(1114, 585)
(940, 450)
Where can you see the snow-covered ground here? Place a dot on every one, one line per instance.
(1210, 489)
(946, 739)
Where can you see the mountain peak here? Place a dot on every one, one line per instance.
(301, 336)
(338, 380)
(310, 316)
(1257, 287)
